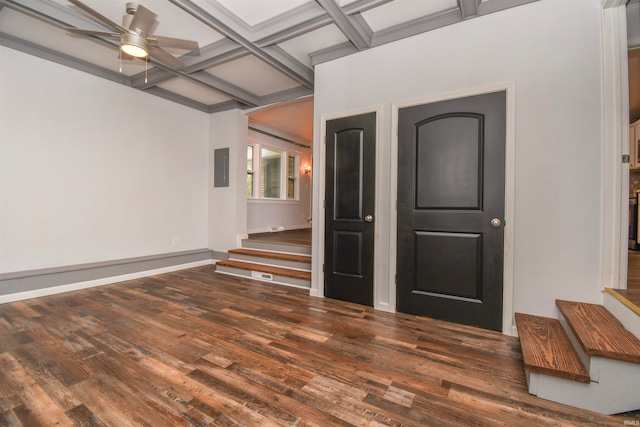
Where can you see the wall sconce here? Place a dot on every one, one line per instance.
(307, 169)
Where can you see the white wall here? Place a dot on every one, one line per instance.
(288, 214)
(94, 171)
(228, 205)
(554, 59)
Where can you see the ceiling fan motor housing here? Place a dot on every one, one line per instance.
(136, 26)
(131, 8)
(134, 45)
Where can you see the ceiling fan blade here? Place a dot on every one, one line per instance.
(97, 15)
(173, 43)
(91, 32)
(142, 21)
(166, 58)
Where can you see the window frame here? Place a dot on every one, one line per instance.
(257, 173)
(251, 172)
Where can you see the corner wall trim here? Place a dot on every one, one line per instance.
(220, 255)
(32, 283)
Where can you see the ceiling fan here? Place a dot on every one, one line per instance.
(135, 40)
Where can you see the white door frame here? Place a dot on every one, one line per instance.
(510, 89)
(319, 210)
(615, 137)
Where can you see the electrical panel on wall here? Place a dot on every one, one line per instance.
(221, 167)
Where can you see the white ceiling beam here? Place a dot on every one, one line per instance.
(497, 5)
(53, 13)
(225, 106)
(332, 52)
(61, 58)
(294, 31)
(308, 15)
(355, 30)
(363, 5)
(285, 95)
(469, 8)
(417, 26)
(209, 80)
(174, 97)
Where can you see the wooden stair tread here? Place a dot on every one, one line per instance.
(278, 271)
(599, 332)
(546, 349)
(272, 255)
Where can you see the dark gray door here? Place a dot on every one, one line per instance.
(350, 203)
(451, 157)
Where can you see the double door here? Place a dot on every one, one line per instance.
(450, 208)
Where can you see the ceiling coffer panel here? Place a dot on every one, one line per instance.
(254, 75)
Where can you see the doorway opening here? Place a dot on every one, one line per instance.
(280, 167)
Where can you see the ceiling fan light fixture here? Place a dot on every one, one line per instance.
(134, 45)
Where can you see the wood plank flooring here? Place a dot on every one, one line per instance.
(199, 348)
(633, 273)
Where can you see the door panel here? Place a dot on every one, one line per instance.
(449, 160)
(347, 253)
(439, 256)
(350, 197)
(450, 188)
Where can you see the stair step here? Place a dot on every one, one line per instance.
(278, 247)
(272, 255)
(277, 271)
(546, 349)
(599, 333)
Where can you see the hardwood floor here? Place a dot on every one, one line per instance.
(199, 348)
(633, 273)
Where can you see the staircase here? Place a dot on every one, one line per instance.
(282, 263)
(588, 358)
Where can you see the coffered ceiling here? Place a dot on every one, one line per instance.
(253, 53)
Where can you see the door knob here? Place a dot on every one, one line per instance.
(495, 223)
(368, 218)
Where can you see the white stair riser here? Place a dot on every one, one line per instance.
(276, 247)
(616, 392)
(281, 280)
(629, 319)
(586, 360)
(271, 261)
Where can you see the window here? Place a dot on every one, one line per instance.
(271, 174)
(291, 177)
(250, 181)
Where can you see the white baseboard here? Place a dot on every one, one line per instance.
(384, 306)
